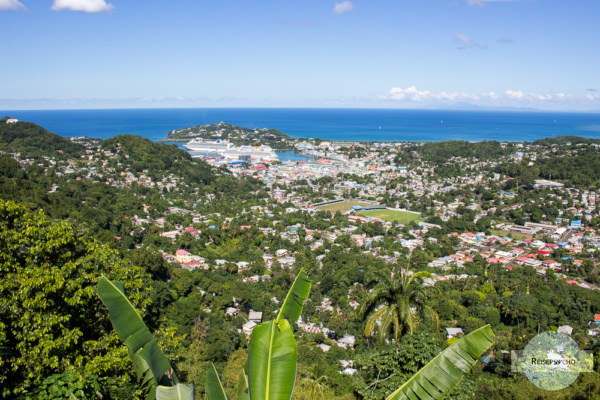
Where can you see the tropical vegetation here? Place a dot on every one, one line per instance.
(271, 369)
(398, 305)
(74, 210)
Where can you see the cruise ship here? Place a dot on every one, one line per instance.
(230, 151)
(207, 146)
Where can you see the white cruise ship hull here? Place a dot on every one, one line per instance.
(227, 150)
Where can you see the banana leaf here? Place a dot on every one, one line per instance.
(214, 387)
(294, 301)
(436, 379)
(272, 361)
(149, 362)
(181, 391)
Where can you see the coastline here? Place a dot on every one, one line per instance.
(360, 125)
(167, 140)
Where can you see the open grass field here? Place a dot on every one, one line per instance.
(343, 206)
(514, 235)
(392, 215)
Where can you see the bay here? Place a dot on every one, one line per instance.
(327, 124)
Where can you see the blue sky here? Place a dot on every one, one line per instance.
(542, 54)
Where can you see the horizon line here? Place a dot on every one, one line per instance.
(474, 109)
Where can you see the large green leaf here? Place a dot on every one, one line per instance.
(272, 361)
(214, 387)
(436, 379)
(294, 301)
(149, 362)
(181, 391)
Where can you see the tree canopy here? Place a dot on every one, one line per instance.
(51, 320)
(35, 140)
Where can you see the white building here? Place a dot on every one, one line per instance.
(248, 327)
(454, 332)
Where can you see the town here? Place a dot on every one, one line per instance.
(475, 216)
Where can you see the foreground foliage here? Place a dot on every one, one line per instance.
(50, 319)
(151, 366)
(446, 370)
(272, 355)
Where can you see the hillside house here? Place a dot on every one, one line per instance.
(183, 256)
(454, 332)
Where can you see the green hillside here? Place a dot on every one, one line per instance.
(27, 137)
(142, 154)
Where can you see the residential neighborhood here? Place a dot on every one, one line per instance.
(469, 240)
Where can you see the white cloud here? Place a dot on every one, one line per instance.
(411, 93)
(481, 3)
(11, 5)
(592, 97)
(514, 94)
(466, 42)
(343, 7)
(88, 6)
(464, 39)
(508, 98)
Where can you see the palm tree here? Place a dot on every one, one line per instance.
(313, 386)
(398, 303)
(433, 381)
(517, 307)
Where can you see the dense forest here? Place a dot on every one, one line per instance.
(142, 154)
(34, 140)
(565, 140)
(582, 169)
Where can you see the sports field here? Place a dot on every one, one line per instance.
(344, 206)
(402, 217)
(514, 235)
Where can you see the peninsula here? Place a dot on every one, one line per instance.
(237, 135)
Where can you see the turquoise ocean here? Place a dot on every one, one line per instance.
(329, 124)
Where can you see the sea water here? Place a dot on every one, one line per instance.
(327, 124)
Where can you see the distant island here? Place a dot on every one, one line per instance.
(237, 135)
